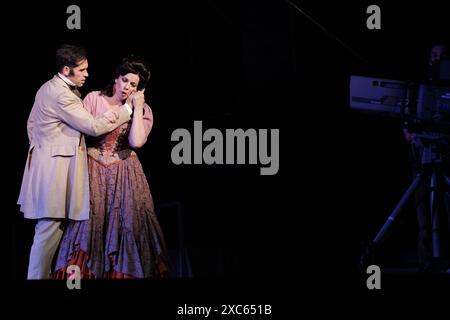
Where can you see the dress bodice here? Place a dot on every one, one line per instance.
(111, 147)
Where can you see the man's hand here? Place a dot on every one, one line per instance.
(112, 116)
(410, 137)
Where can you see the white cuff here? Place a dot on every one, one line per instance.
(130, 111)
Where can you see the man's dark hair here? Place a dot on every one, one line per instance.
(438, 42)
(434, 68)
(69, 55)
(129, 64)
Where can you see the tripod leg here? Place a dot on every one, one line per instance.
(388, 224)
(434, 210)
(447, 202)
(368, 255)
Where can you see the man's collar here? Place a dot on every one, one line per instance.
(66, 80)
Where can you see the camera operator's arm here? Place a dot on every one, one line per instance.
(408, 135)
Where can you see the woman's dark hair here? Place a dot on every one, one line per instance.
(70, 56)
(129, 64)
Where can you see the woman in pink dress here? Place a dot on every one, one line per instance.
(122, 238)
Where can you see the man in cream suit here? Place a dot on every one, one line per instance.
(55, 181)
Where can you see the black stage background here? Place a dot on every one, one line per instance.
(253, 64)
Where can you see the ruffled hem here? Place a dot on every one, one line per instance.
(81, 259)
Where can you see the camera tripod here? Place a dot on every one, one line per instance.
(433, 164)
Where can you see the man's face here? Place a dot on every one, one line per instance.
(437, 53)
(78, 74)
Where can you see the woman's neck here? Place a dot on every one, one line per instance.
(114, 100)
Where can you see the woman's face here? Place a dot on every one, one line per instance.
(126, 85)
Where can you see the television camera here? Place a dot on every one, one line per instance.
(424, 109)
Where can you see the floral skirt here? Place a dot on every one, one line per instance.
(122, 238)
